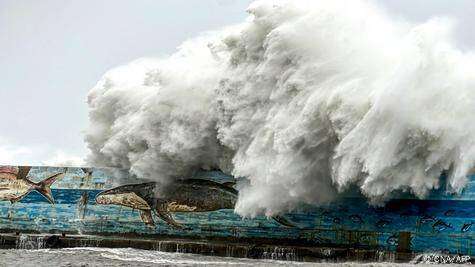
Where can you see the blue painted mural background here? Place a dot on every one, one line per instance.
(440, 223)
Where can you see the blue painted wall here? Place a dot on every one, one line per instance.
(440, 223)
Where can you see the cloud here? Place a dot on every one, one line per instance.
(12, 153)
(63, 159)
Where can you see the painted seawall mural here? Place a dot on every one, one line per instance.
(89, 201)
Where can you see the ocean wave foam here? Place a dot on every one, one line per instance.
(303, 99)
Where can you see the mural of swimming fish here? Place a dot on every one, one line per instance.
(15, 184)
(392, 240)
(440, 226)
(191, 195)
(466, 227)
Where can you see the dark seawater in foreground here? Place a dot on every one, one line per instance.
(93, 256)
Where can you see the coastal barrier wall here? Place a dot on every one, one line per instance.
(441, 223)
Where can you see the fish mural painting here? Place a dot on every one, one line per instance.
(93, 202)
(14, 184)
(191, 195)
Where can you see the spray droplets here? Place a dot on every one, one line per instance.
(304, 99)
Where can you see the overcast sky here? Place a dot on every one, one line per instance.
(53, 51)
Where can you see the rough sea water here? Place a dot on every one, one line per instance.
(91, 256)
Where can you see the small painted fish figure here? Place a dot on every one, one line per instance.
(466, 227)
(392, 240)
(356, 218)
(426, 218)
(440, 226)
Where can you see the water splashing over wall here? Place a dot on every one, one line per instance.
(30, 242)
(304, 99)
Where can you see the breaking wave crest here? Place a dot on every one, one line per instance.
(303, 99)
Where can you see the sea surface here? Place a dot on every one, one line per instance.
(93, 256)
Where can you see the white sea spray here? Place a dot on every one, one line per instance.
(303, 99)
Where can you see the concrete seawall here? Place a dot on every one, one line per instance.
(348, 229)
(226, 248)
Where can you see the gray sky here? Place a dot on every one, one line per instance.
(53, 51)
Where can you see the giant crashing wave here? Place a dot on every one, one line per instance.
(304, 99)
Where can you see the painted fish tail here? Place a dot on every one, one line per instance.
(44, 187)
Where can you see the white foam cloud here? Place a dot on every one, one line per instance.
(304, 99)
